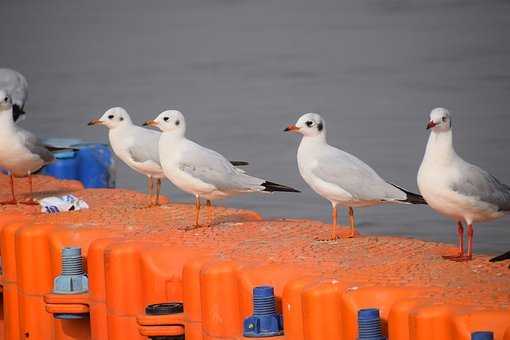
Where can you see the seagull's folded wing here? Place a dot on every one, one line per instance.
(34, 145)
(145, 147)
(479, 184)
(212, 168)
(355, 177)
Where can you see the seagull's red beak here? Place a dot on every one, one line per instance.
(431, 124)
(95, 122)
(291, 128)
(150, 123)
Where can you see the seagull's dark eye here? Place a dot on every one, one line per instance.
(110, 117)
(177, 123)
(309, 123)
(444, 119)
(166, 119)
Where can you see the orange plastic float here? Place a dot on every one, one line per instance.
(136, 257)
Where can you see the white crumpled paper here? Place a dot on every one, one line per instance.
(53, 205)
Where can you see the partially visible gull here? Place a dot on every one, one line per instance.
(21, 152)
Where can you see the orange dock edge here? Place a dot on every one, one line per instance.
(136, 257)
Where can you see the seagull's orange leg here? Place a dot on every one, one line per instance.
(209, 212)
(150, 189)
(31, 201)
(334, 235)
(460, 243)
(13, 197)
(461, 257)
(352, 221)
(158, 190)
(197, 211)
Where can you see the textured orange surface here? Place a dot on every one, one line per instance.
(242, 236)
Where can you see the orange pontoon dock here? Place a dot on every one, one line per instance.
(139, 256)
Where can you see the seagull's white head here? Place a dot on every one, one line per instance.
(169, 121)
(112, 118)
(440, 120)
(5, 101)
(309, 124)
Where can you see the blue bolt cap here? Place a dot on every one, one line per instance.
(263, 326)
(368, 314)
(262, 292)
(482, 335)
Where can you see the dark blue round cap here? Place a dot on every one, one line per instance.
(368, 314)
(482, 335)
(263, 291)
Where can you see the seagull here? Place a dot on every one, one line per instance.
(340, 177)
(200, 171)
(15, 85)
(21, 152)
(135, 146)
(455, 188)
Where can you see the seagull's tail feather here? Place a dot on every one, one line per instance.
(412, 198)
(502, 257)
(271, 187)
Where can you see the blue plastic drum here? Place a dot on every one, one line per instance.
(65, 166)
(95, 165)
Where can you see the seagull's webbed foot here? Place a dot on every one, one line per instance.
(332, 237)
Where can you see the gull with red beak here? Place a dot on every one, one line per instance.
(202, 172)
(135, 146)
(21, 152)
(340, 177)
(456, 188)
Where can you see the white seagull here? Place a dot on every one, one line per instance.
(135, 146)
(455, 188)
(21, 152)
(200, 171)
(15, 85)
(340, 177)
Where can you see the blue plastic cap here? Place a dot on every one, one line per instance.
(369, 314)
(482, 335)
(263, 291)
(71, 251)
(265, 321)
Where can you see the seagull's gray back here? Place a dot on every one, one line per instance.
(146, 146)
(477, 183)
(34, 145)
(212, 168)
(15, 84)
(354, 176)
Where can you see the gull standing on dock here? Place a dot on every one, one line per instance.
(15, 85)
(21, 152)
(135, 146)
(455, 188)
(201, 171)
(340, 177)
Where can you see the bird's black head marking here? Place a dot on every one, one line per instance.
(121, 119)
(177, 122)
(320, 126)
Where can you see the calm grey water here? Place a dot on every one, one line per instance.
(242, 70)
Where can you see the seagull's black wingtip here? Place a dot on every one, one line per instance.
(271, 187)
(502, 257)
(412, 198)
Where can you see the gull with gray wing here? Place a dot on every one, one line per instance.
(456, 188)
(340, 177)
(135, 146)
(199, 171)
(21, 152)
